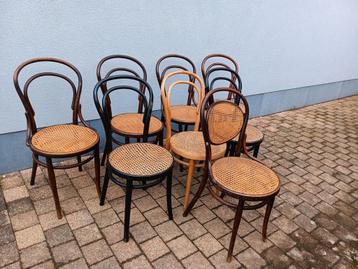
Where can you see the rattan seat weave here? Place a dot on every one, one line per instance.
(191, 145)
(245, 177)
(132, 124)
(253, 135)
(183, 113)
(64, 139)
(140, 159)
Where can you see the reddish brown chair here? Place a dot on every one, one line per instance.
(241, 176)
(62, 140)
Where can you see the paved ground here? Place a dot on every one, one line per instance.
(313, 224)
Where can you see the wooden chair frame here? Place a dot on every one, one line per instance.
(165, 96)
(32, 127)
(142, 87)
(236, 84)
(217, 190)
(111, 172)
(160, 74)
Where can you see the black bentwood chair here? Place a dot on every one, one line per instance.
(135, 165)
(241, 176)
(128, 125)
(61, 140)
(254, 136)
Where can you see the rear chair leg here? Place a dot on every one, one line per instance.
(34, 169)
(79, 161)
(169, 194)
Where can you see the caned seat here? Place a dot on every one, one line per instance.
(184, 113)
(132, 124)
(238, 174)
(64, 139)
(141, 159)
(191, 145)
(253, 135)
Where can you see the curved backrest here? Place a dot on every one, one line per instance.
(165, 95)
(211, 79)
(122, 69)
(223, 120)
(162, 68)
(22, 91)
(103, 107)
(219, 60)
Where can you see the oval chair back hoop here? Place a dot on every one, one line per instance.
(165, 96)
(223, 120)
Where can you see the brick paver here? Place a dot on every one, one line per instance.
(313, 224)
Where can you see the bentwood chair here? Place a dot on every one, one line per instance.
(182, 115)
(127, 125)
(187, 147)
(254, 136)
(62, 140)
(240, 177)
(136, 165)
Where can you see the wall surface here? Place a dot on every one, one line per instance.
(279, 44)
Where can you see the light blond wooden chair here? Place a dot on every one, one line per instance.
(188, 147)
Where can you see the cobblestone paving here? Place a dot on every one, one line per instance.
(313, 224)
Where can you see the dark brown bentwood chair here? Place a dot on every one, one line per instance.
(182, 115)
(135, 165)
(58, 141)
(241, 177)
(188, 146)
(254, 136)
(128, 125)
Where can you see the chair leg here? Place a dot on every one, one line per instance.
(189, 178)
(197, 194)
(160, 138)
(52, 180)
(105, 187)
(267, 217)
(169, 194)
(232, 148)
(126, 140)
(97, 165)
(78, 161)
(127, 210)
(34, 169)
(104, 154)
(235, 228)
(256, 150)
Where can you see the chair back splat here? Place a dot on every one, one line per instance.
(223, 120)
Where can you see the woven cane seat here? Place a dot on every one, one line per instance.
(140, 159)
(191, 145)
(245, 177)
(253, 135)
(132, 124)
(183, 113)
(64, 139)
